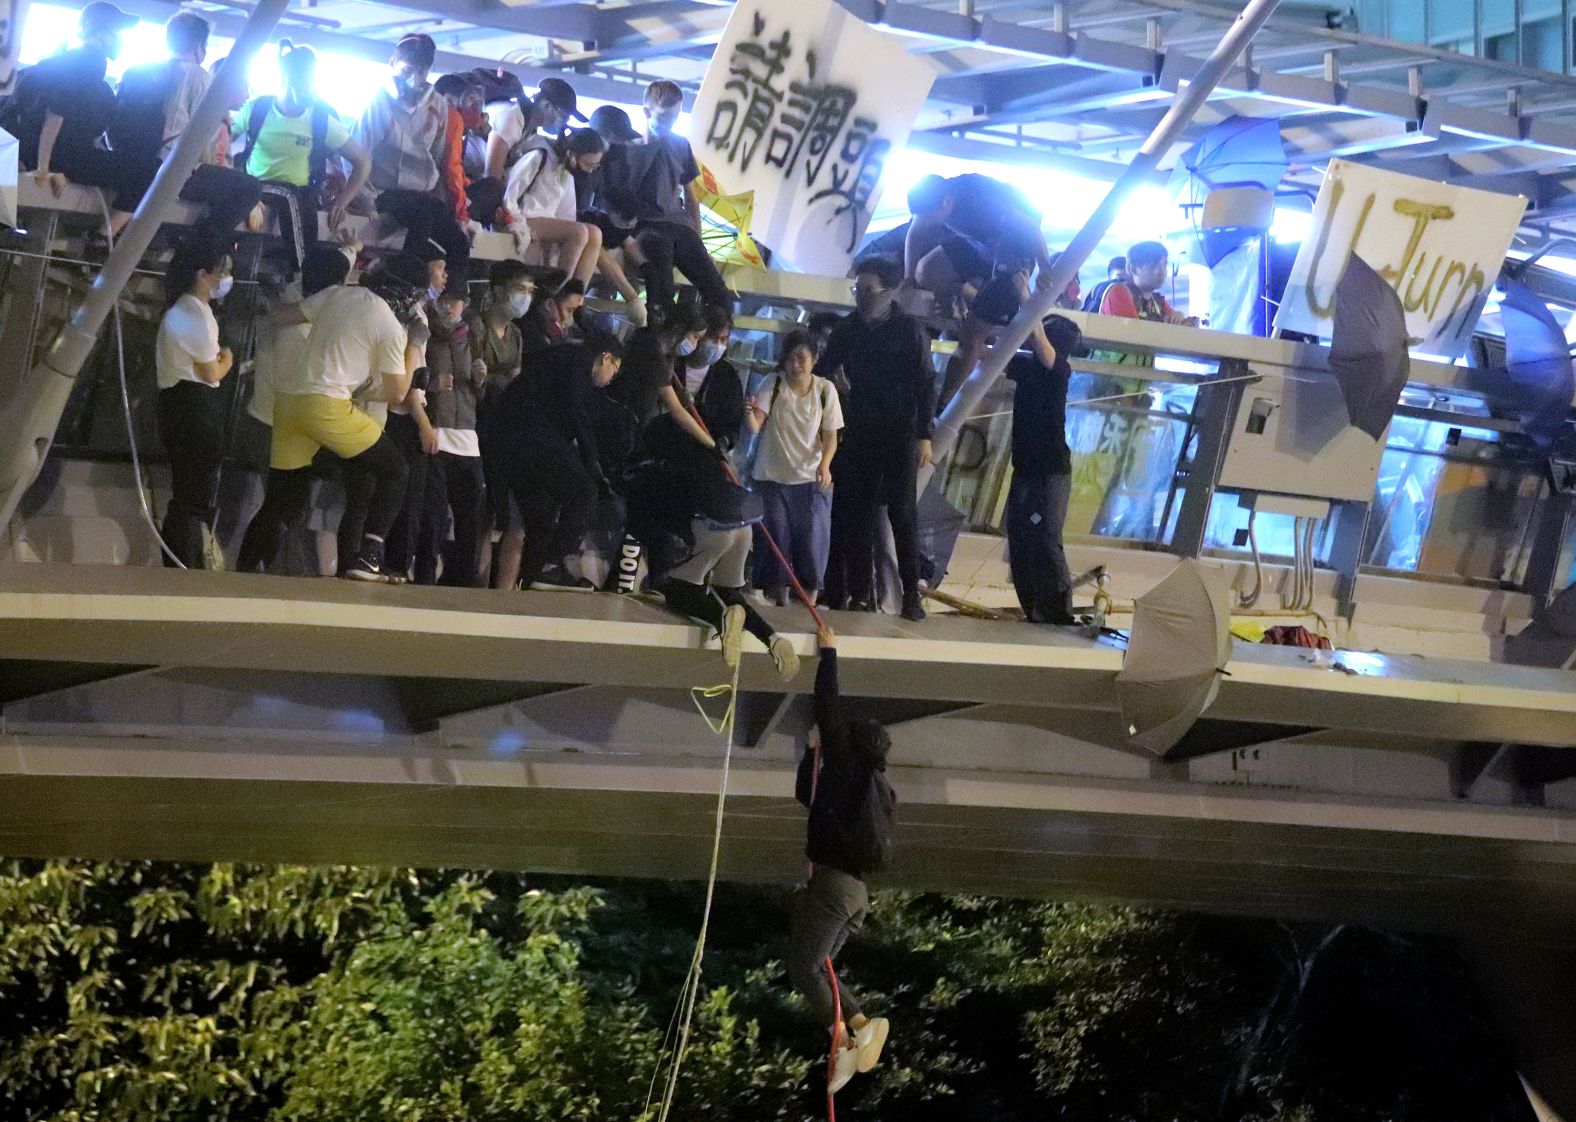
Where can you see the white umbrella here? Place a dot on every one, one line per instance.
(1180, 643)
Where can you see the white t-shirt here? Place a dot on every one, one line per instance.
(539, 185)
(278, 349)
(188, 334)
(790, 447)
(508, 121)
(354, 338)
(459, 442)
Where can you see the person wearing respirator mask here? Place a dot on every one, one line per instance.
(190, 365)
(497, 345)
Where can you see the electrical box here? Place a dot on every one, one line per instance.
(1291, 437)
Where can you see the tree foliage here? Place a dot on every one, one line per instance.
(165, 993)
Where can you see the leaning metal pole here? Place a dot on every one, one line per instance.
(29, 419)
(1184, 106)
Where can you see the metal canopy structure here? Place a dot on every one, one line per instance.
(1075, 84)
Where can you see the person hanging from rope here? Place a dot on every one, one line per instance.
(853, 811)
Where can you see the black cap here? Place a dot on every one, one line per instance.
(613, 123)
(406, 267)
(101, 16)
(561, 95)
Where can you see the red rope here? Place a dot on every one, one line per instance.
(733, 477)
(837, 1026)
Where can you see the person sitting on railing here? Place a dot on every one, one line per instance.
(884, 354)
(405, 128)
(540, 200)
(155, 106)
(517, 120)
(660, 171)
(1042, 480)
(286, 143)
(799, 416)
(466, 96)
(61, 108)
(191, 364)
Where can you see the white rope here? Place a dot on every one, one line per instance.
(689, 993)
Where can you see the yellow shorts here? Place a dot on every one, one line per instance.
(305, 422)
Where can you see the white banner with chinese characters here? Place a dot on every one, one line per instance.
(802, 104)
(1438, 245)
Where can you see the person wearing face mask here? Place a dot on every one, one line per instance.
(884, 355)
(660, 170)
(406, 129)
(515, 119)
(551, 321)
(497, 344)
(648, 386)
(714, 384)
(190, 365)
(454, 477)
(540, 200)
(549, 465)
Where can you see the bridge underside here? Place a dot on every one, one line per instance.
(151, 714)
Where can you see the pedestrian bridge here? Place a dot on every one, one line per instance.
(200, 716)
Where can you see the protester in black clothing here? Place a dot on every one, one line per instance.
(645, 384)
(853, 810)
(661, 170)
(714, 384)
(884, 354)
(155, 106)
(63, 105)
(551, 321)
(1042, 467)
(542, 441)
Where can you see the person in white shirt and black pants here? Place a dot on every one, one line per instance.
(190, 364)
(799, 415)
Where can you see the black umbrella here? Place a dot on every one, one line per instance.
(1537, 362)
(1368, 347)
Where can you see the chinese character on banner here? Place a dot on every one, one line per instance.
(801, 106)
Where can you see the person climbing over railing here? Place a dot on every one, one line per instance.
(853, 811)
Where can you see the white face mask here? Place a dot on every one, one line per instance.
(708, 353)
(685, 348)
(226, 283)
(519, 304)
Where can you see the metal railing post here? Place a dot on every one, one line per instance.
(1183, 108)
(30, 417)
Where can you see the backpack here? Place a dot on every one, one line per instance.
(317, 161)
(137, 127)
(497, 85)
(1096, 296)
(867, 838)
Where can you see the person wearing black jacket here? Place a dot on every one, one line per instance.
(542, 442)
(884, 355)
(1042, 481)
(852, 811)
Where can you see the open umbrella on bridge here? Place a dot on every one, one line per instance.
(1537, 362)
(1180, 643)
(1368, 348)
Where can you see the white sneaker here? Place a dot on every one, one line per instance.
(732, 634)
(869, 1039)
(843, 1068)
(784, 656)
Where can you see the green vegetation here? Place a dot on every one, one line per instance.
(165, 993)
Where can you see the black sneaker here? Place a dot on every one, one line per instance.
(365, 569)
(913, 610)
(559, 580)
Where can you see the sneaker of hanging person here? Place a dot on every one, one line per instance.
(844, 1067)
(869, 1039)
(784, 657)
(561, 580)
(913, 608)
(732, 634)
